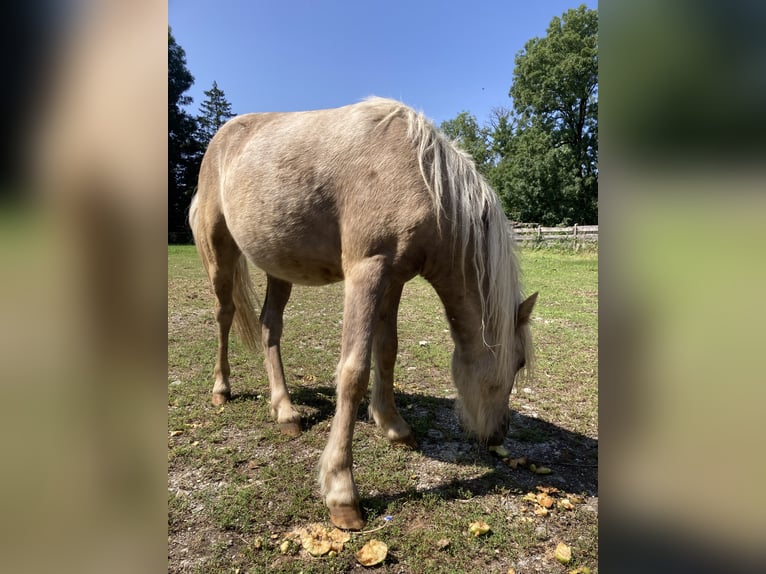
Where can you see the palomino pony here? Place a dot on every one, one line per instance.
(373, 195)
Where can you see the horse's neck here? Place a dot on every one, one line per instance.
(463, 309)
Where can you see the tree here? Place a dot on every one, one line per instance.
(214, 112)
(530, 178)
(465, 130)
(183, 147)
(555, 99)
(500, 132)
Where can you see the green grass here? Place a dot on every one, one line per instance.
(236, 485)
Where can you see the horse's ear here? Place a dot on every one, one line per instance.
(524, 311)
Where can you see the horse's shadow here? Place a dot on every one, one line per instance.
(572, 457)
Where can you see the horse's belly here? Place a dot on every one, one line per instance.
(297, 241)
(303, 272)
(303, 262)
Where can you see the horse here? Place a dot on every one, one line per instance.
(371, 194)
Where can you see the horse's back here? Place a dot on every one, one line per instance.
(305, 193)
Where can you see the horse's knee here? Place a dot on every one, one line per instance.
(271, 337)
(224, 312)
(353, 377)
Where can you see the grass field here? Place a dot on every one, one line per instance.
(236, 486)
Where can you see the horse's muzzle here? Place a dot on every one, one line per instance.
(497, 437)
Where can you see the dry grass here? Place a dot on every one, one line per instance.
(236, 485)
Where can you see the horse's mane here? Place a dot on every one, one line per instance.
(476, 218)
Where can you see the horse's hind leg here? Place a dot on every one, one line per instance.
(222, 259)
(277, 295)
(382, 407)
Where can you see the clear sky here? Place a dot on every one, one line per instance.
(440, 57)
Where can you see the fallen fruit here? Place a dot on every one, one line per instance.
(540, 469)
(478, 528)
(544, 500)
(372, 553)
(318, 541)
(580, 570)
(500, 451)
(547, 489)
(316, 546)
(563, 553)
(338, 538)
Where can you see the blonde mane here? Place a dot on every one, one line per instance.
(476, 218)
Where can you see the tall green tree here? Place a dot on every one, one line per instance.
(214, 111)
(530, 179)
(184, 149)
(555, 100)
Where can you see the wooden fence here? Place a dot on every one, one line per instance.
(526, 232)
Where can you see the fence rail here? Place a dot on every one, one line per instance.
(537, 233)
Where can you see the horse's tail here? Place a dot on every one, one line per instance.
(246, 320)
(193, 210)
(246, 302)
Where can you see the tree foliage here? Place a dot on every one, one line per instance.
(465, 130)
(542, 156)
(555, 90)
(184, 150)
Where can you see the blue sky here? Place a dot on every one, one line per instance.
(441, 57)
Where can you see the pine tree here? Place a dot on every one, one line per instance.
(214, 112)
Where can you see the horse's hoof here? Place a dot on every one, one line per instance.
(292, 429)
(347, 517)
(408, 442)
(221, 398)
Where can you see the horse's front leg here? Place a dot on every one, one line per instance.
(382, 407)
(364, 288)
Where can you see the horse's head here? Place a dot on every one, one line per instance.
(484, 388)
